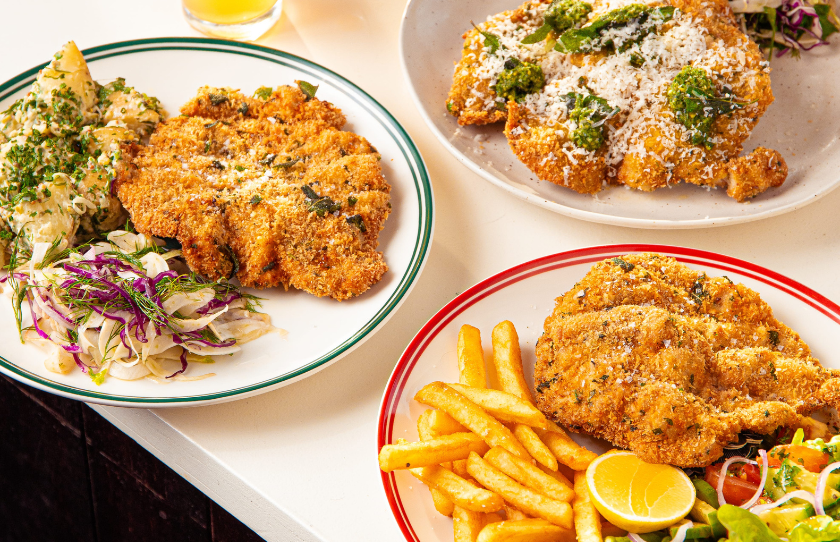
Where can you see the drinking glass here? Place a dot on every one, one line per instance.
(233, 19)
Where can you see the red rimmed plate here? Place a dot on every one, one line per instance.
(525, 295)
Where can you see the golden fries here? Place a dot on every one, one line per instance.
(507, 357)
(528, 460)
(566, 450)
(435, 423)
(471, 358)
(503, 405)
(587, 519)
(514, 513)
(460, 468)
(471, 416)
(527, 500)
(458, 490)
(559, 476)
(525, 530)
(528, 475)
(467, 524)
(443, 505)
(536, 447)
(405, 455)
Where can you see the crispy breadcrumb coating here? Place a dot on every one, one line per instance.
(268, 189)
(671, 364)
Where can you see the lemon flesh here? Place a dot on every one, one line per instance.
(637, 496)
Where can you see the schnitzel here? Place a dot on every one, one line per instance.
(267, 188)
(645, 94)
(659, 358)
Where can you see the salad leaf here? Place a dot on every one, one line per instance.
(816, 529)
(771, 18)
(744, 526)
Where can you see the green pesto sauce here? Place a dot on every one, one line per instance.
(588, 112)
(565, 14)
(693, 99)
(519, 79)
(589, 38)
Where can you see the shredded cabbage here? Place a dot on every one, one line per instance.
(117, 308)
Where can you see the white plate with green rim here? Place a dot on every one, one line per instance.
(320, 331)
(803, 124)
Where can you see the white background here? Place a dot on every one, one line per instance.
(299, 463)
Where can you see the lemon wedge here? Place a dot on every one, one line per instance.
(638, 496)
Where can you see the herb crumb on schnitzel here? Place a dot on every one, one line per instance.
(267, 188)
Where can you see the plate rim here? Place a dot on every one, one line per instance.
(393, 393)
(419, 257)
(589, 216)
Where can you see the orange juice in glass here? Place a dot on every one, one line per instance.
(232, 19)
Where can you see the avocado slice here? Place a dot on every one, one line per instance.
(705, 513)
(696, 532)
(784, 518)
(705, 492)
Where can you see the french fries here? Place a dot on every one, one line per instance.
(458, 490)
(525, 530)
(471, 416)
(504, 406)
(434, 423)
(514, 513)
(587, 519)
(566, 450)
(528, 475)
(405, 455)
(443, 505)
(535, 447)
(507, 357)
(558, 475)
(527, 500)
(471, 358)
(467, 524)
(492, 461)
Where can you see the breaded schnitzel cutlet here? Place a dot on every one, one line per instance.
(268, 189)
(659, 358)
(644, 93)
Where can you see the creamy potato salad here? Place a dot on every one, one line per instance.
(59, 151)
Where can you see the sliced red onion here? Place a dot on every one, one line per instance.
(679, 536)
(723, 472)
(764, 468)
(819, 491)
(798, 494)
(635, 538)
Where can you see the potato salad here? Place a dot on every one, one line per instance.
(59, 152)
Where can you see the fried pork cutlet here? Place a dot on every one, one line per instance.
(662, 93)
(268, 189)
(671, 364)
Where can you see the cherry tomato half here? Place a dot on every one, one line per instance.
(735, 490)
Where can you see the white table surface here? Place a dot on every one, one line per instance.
(299, 463)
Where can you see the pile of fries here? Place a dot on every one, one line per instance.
(492, 460)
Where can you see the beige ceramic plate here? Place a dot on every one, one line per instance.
(803, 124)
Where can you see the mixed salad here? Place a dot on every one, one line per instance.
(782, 26)
(122, 307)
(783, 488)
